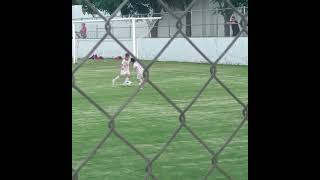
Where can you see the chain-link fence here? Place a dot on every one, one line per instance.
(204, 23)
(149, 161)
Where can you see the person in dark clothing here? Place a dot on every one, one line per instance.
(234, 25)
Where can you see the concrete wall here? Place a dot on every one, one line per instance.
(179, 50)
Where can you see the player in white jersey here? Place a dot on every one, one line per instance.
(124, 70)
(139, 70)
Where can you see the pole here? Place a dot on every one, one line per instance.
(74, 44)
(134, 37)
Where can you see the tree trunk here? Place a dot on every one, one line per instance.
(157, 10)
(226, 26)
(226, 15)
(188, 24)
(243, 24)
(154, 30)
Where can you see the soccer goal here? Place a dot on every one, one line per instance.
(128, 31)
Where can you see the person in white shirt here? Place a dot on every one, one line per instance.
(124, 71)
(139, 70)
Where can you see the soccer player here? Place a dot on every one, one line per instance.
(124, 70)
(139, 70)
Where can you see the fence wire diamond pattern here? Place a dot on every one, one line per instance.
(182, 119)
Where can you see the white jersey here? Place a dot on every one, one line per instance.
(125, 67)
(139, 69)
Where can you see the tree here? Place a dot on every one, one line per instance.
(156, 8)
(75, 2)
(133, 7)
(226, 11)
(145, 7)
(108, 6)
(182, 5)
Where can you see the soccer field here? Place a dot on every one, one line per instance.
(149, 121)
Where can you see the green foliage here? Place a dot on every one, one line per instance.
(103, 5)
(75, 2)
(109, 6)
(235, 3)
(133, 7)
(178, 4)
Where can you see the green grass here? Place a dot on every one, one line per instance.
(149, 120)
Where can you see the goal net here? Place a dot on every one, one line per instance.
(129, 31)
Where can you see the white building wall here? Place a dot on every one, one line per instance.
(179, 50)
(204, 22)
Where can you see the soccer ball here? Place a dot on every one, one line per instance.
(128, 83)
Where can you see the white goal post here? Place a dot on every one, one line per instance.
(133, 31)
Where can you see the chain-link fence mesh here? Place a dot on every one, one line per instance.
(182, 117)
